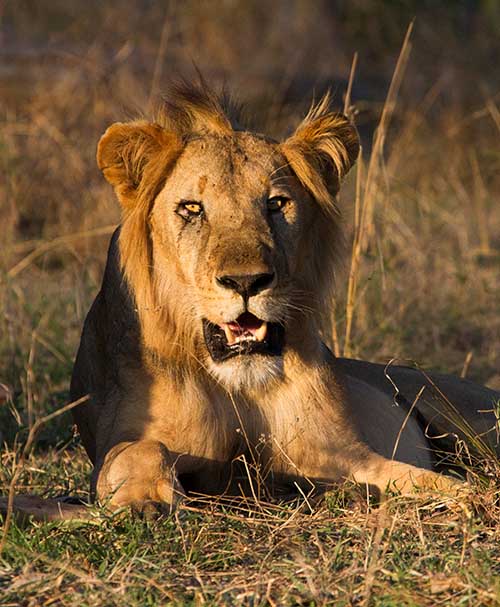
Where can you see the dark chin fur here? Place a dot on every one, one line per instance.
(216, 342)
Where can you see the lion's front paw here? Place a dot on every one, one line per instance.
(389, 476)
(141, 475)
(408, 479)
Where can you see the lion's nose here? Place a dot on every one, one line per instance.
(246, 284)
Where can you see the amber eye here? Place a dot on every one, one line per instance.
(276, 203)
(189, 209)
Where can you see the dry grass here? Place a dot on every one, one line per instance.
(422, 284)
(339, 551)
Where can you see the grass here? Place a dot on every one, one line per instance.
(409, 551)
(423, 286)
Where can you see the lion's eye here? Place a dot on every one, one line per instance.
(189, 209)
(276, 203)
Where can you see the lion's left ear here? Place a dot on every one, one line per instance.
(322, 151)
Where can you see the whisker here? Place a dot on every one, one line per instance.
(280, 168)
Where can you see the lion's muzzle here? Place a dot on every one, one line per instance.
(247, 285)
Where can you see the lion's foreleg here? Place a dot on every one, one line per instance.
(138, 474)
(389, 475)
(379, 473)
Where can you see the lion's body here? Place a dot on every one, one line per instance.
(137, 397)
(448, 407)
(202, 346)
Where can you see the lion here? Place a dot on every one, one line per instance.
(203, 347)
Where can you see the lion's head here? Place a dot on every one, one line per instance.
(228, 238)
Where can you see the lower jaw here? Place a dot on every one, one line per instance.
(220, 352)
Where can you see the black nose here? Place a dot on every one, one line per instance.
(246, 284)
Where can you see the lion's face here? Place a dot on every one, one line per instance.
(229, 236)
(231, 220)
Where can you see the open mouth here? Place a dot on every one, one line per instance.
(245, 335)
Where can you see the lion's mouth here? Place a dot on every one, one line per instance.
(245, 335)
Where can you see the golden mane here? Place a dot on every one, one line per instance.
(187, 111)
(137, 157)
(191, 110)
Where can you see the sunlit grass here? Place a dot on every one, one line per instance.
(427, 285)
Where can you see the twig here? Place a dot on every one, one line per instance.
(355, 259)
(467, 361)
(494, 112)
(160, 56)
(405, 421)
(347, 100)
(365, 202)
(334, 329)
(53, 244)
(378, 145)
(480, 195)
(27, 447)
(347, 112)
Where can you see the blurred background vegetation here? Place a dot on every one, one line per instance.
(429, 280)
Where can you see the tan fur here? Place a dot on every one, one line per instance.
(323, 142)
(162, 414)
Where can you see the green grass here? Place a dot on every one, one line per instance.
(409, 551)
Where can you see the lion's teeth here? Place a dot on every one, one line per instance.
(230, 337)
(261, 332)
(247, 337)
(236, 336)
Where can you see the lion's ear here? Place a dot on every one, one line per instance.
(322, 151)
(128, 153)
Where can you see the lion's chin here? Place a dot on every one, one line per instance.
(247, 371)
(246, 353)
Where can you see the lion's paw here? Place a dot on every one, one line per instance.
(140, 475)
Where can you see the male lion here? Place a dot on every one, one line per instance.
(203, 344)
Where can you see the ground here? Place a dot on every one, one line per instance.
(335, 551)
(421, 284)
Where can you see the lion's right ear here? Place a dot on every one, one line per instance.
(133, 154)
